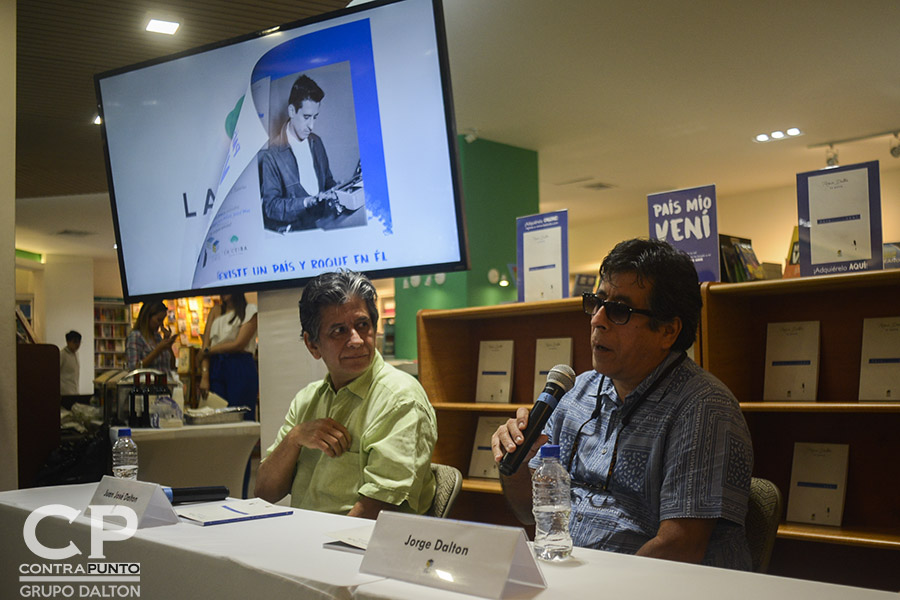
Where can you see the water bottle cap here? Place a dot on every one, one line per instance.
(550, 451)
(125, 432)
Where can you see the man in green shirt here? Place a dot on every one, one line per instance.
(360, 440)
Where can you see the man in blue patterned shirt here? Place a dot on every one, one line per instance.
(657, 448)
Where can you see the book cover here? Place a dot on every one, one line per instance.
(879, 369)
(482, 463)
(731, 267)
(792, 361)
(549, 352)
(752, 269)
(839, 213)
(495, 367)
(687, 219)
(818, 483)
(231, 511)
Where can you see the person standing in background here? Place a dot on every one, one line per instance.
(227, 366)
(68, 365)
(148, 346)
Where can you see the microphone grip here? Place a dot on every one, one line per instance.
(537, 418)
(204, 493)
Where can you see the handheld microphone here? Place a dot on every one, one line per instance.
(204, 493)
(559, 381)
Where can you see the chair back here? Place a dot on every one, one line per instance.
(763, 516)
(448, 482)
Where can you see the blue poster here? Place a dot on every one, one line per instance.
(839, 214)
(687, 220)
(542, 252)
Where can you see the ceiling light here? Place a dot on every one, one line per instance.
(97, 120)
(831, 156)
(158, 26)
(778, 134)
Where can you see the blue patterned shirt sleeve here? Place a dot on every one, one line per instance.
(684, 453)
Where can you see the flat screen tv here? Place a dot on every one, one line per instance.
(262, 161)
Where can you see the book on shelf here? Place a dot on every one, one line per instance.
(482, 463)
(495, 369)
(792, 361)
(792, 260)
(879, 369)
(818, 483)
(549, 352)
(730, 268)
(752, 270)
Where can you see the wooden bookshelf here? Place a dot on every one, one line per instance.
(733, 346)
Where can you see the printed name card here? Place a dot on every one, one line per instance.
(470, 558)
(147, 500)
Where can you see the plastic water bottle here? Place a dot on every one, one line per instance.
(125, 456)
(551, 506)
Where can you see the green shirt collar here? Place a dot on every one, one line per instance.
(360, 386)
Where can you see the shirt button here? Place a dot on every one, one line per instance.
(580, 517)
(603, 451)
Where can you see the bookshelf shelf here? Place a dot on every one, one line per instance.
(822, 407)
(849, 536)
(485, 486)
(111, 327)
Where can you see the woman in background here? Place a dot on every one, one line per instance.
(148, 346)
(227, 365)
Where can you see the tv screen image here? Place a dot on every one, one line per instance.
(264, 161)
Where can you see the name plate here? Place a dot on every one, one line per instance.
(471, 558)
(147, 500)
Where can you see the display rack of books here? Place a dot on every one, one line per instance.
(111, 327)
(865, 549)
(448, 352)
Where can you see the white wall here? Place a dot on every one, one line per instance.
(767, 217)
(8, 414)
(67, 304)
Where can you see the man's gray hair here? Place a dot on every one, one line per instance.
(332, 289)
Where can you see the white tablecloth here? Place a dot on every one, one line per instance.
(195, 454)
(283, 557)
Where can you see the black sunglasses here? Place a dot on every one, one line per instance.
(616, 312)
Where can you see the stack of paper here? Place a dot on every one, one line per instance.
(231, 511)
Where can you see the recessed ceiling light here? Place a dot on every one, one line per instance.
(778, 135)
(158, 26)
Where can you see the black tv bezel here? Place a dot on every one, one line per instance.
(462, 264)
